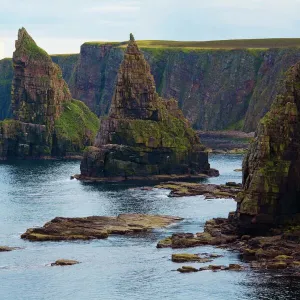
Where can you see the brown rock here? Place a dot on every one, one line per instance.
(7, 249)
(65, 262)
(39, 90)
(96, 227)
(186, 257)
(187, 269)
(210, 191)
(235, 267)
(144, 136)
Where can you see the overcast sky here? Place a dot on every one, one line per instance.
(61, 26)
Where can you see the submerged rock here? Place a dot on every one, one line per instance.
(186, 257)
(7, 249)
(47, 121)
(187, 269)
(96, 227)
(144, 136)
(65, 262)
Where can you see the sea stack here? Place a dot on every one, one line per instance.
(144, 136)
(38, 90)
(47, 121)
(271, 169)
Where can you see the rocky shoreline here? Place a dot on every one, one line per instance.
(278, 249)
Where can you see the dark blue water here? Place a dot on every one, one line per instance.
(34, 192)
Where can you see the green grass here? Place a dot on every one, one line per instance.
(77, 125)
(222, 44)
(27, 45)
(236, 126)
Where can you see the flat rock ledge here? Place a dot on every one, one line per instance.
(279, 250)
(186, 257)
(65, 262)
(96, 227)
(152, 178)
(214, 268)
(210, 191)
(8, 249)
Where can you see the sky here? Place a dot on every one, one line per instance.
(61, 26)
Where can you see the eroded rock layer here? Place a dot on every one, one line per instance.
(47, 121)
(96, 227)
(143, 134)
(39, 90)
(271, 169)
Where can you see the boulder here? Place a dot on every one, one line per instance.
(187, 269)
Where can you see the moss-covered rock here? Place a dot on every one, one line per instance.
(74, 129)
(271, 177)
(143, 135)
(47, 122)
(187, 257)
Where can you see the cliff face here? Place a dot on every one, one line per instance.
(216, 89)
(6, 75)
(39, 90)
(47, 121)
(271, 175)
(143, 135)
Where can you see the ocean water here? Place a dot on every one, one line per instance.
(120, 267)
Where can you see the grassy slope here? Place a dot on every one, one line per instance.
(77, 125)
(223, 44)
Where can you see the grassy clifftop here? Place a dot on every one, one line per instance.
(222, 44)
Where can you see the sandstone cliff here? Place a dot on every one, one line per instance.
(217, 89)
(47, 121)
(271, 176)
(6, 75)
(143, 135)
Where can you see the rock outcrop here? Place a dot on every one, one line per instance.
(39, 90)
(210, 191)
(47, 121)
(96, 227)
(271, 169)
(143, 135)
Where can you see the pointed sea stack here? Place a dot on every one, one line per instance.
(47, 121)
(39, 91)
(144, 136)
(271, 169)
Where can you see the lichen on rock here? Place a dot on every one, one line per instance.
(143, 135)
